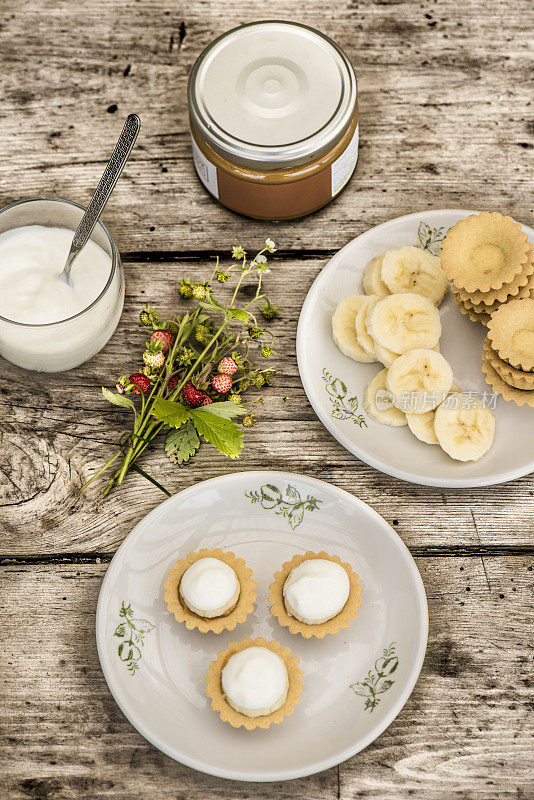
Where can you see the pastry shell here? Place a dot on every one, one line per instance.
(519, 396)
(508, 322)
(484, 230)
(517, 378)
(332, 626)
(490, 307)
(235, 718)
(227, 621)
(521, 286)
(474, 316)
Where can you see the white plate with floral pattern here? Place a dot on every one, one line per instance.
(355, 683)
(335, 384)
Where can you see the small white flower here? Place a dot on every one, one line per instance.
(260, 259)
(270, 245)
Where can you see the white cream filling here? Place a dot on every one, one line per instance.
(316, 590)
(255, 681)
(209, 585)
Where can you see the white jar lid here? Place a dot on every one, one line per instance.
(272, 94)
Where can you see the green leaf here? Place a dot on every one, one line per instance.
(142, 625)
(292, 493)
(238, 313)
(125, 611)
(118, 399)
(225, 409)
(210, 303)
(182, 443)
(222, 433)
(295, 517)
(170, 412)
(125, 651)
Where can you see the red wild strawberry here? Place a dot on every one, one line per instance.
(206, 400)
(221, 383)
(227, 366)
(173, 383)
(191, 396)
(165, 339)
(140, 383)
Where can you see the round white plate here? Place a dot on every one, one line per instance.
(355, 683)
(335, 384)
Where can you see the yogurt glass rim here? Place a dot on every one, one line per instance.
(114, 261)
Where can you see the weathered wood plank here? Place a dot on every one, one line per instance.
(57, 430)
(464, 732)
(445, 102)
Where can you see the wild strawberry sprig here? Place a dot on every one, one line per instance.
(195, 370)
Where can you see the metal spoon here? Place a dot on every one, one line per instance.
(115, 165)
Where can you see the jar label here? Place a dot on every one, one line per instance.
(206, 171)
(343, 167)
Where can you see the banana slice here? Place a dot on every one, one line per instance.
(372, 282)
(410, 269)
(344, 329)
(464, 429)
(403, 322)
(378, 402)
(422, 425)
(419, 380)
(385, 356)
(362, 334)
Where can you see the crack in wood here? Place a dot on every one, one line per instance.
(428, 551)
(157, 256)
(480, 542)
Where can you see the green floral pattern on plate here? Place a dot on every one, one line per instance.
(289, 504)
(343, 407)
(132, 632)
(378, 679)
(430, 238)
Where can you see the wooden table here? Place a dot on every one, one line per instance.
(446, 121)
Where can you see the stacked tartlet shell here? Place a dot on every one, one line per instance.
(489, 261)
(331, 626)
(227, 621)
(235, 718)
(508, 353)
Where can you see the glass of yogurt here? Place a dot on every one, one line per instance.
(46, 323)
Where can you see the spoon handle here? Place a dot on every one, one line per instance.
(115, 165)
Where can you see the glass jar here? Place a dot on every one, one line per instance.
(62, 345)
(274, 119)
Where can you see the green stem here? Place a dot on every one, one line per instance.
(100, 471)
(148, 477)
(145, 424)
(146, 413)
(134, 452)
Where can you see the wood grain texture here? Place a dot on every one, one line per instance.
(465, 731)
(57, 430)
(445, 94)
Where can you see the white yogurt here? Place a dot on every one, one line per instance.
(316, 590)
(34, 293)
(32, 288)
(255, 681)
